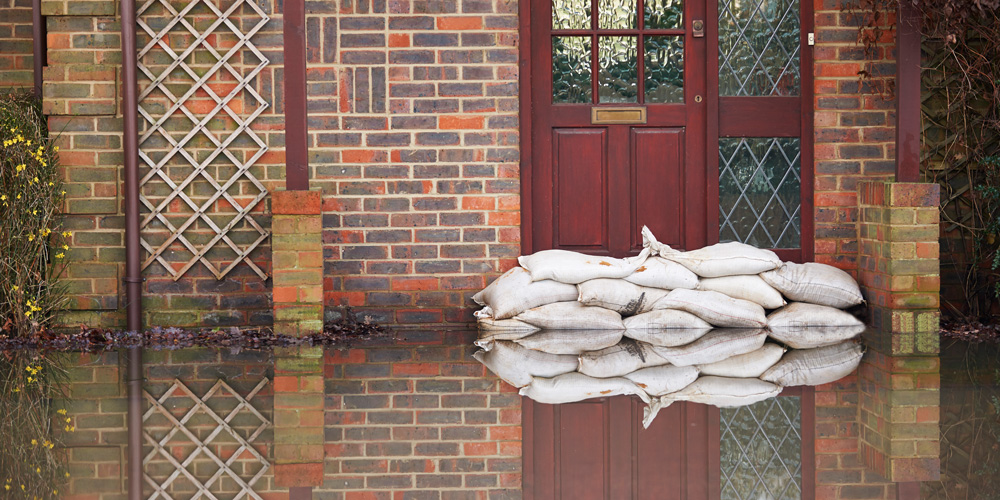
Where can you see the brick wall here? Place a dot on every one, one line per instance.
(15, 45)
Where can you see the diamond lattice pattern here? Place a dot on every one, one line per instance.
(761, 450)
(197, 102)
(760, 191)
(759, 47)
(203, 446)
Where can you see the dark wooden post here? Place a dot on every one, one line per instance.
(908, 93)
(296, 127)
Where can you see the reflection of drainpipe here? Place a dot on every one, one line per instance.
(134, 423)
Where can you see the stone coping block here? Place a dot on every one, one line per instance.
(284, 202)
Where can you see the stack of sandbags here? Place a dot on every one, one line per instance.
(668, 325)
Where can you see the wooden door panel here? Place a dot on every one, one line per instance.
(580, 204)
(660, 455)
(657, 186)
(583, 453)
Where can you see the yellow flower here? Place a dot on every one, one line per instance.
(31, 237)
(67, 474)
(3, 197)
(15, 288)
(34, 442)
(60, 255)
(61, 411)
(55, 148)
(6, 487)
(27, 314)
(38, 470)
(65, 247)
(67, 419)
(67, 234)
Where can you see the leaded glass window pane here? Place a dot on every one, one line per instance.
(571, 69)
(761, 450)
(619, 69)
(759, 47)
(664, 69)
(663, 14)
(616, 14)
(570, 14)
(760, 191)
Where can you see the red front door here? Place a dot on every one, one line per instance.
(618, 124)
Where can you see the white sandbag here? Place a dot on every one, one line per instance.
(668, 337)
(749, 365)
(514, 292)
(516, 365)
(746, 287)
(658, 272)
(721, 259)
(573, 267)
(808, 337)
(660, 380)
(504, 329)
(715, 308)
(620, 296)
(573, 342)
(659, 319)
(723, 392)
(625, 357)
(717, 345)
(815, 283)
(815, 366)
(572, 316)
(800, 314)
(573, 387)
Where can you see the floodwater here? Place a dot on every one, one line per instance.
(417, 416)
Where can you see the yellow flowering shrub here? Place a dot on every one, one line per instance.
(32, 244)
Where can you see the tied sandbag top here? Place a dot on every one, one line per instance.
(714, 261)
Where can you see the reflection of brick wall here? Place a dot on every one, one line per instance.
(15, 45)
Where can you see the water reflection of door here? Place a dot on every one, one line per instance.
(598, 450)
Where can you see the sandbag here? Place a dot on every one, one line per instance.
(572, 316)
(659, 319)
(572, 387)
(800, 314)
(570, 341)
(815, 283)
(504, 329)
(573, 267)
(516, 365)
(668, 337)
(514, 292)
(717, 345)
(660, 380)
(749, 365)
(745, 287)
(808, 337)
(715, 308)
(815, 366)
(625, 357)
(658, 272)
(723, 392)
(620, 296)
(721, 259)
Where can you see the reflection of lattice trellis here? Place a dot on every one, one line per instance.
(197, 129)
(184, 448)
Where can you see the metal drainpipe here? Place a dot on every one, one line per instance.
(133, 270)
(38, 45)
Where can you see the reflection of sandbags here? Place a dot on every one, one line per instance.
(668, 337)
(716, 308)
(516, 365)
(660, 380)
(572, 267)
(618, 295)
(800, 314)
(572, 316)
(723, 392)
(808, 337)
(721, 259)
(625, 357)
(514, 292)
(746, 287)
(571, 341)
(815, 366)
(815, 283)
(717, 345)
(749, 365)
(573, 387)
(659, 319)
(658, 272)
(504, 329)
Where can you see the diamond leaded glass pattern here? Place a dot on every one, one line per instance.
(761, 450)
(760, 188)
(759, 47)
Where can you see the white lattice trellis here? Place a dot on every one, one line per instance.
(163, 82)
(162, 447)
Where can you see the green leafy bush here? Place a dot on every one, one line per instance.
(32, 247)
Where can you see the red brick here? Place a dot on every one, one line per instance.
(291, 475)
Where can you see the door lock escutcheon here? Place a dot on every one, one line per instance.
(697, 28)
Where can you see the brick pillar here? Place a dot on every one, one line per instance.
(297, 260)
(899, 265)
(900, 412)
(298, 417)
